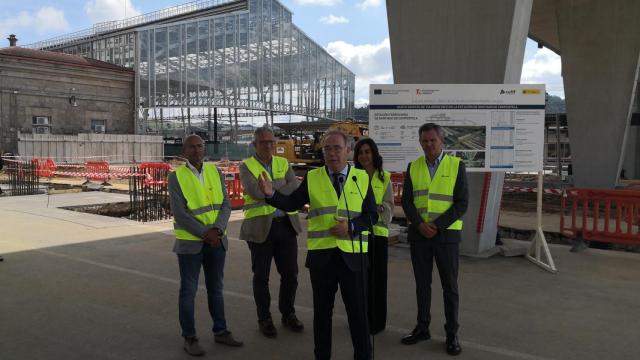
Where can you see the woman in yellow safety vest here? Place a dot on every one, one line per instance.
(367, 157)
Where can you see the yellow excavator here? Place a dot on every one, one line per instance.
(305, 151)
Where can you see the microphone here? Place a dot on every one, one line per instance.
(355, 180)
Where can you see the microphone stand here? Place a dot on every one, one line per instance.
(362, 269)
(371, 236)
(341, 181)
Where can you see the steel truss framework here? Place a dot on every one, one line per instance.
(254, 59)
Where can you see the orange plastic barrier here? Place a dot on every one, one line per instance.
(44, 168)
(97, 170)
(156, 173)
(602, 215)
(234, 189)
(397, 181)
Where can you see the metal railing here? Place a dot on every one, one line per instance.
(110, 26)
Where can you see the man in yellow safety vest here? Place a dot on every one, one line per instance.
(434, 198)
(341, 209)
(270, 232)
(201, 211)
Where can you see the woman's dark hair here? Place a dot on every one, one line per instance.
(377, 159)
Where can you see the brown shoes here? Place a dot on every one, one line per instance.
(192, 347)
(227, 339)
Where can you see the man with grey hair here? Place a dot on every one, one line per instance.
(270, 232)
(341, 208)
(434, 198)
(201, 211)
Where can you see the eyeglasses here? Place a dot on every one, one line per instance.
(332, 148)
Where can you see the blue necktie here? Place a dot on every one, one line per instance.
(336, 183)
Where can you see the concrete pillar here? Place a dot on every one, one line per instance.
(461, 41)
(600, 47)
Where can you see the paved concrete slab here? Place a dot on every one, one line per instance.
(103, 288)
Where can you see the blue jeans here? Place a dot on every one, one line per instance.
(212, 261)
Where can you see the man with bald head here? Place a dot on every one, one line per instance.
(201, 210)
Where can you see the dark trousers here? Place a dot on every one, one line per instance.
(324, 282)
(281, 246)
(377, 306)
(211, 259)
(446, 255)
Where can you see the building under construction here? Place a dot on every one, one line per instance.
(193, 60)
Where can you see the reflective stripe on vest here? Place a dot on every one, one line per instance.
(203, 202)
(432, 197)
(258, 207)
(379, 189)
(325, 208)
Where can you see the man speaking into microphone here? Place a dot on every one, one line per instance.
(341, 208)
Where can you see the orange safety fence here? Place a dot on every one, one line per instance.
(156, 173)
(234, 189)
(97, 170)
(397, 181)
(601, 215)
(44, 167)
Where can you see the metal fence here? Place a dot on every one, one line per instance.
(21, 178)
(148, 192)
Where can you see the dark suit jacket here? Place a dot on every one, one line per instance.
(455, 212)
(319, 258)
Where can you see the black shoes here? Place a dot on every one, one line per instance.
(292, 322)
(416, 335)
(453, 346)
(267, 329)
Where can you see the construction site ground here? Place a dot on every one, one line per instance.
(80, 286)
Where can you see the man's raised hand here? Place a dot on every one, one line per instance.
(265, 184)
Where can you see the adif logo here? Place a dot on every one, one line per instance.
(507, 92)
(418, 92)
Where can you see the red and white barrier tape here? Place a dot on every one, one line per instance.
(120, 169)
(70, 165)
(99, 175)
(531, 190)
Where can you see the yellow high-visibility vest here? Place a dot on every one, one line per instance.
(379, 188)
(258, 207)
(203, 201)
(325, 208)
(432, 197)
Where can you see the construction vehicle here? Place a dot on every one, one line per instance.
(304, 151)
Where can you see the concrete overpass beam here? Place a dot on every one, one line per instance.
(600, 42)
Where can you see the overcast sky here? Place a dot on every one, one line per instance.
(353, 31)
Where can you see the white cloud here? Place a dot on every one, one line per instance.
(50, 19)
(318, 2)
(332, 19)
(544, 67)
(43, 20)
(370, 62)
(365, 4)
(107, 10)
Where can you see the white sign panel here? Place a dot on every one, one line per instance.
(492, 127)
